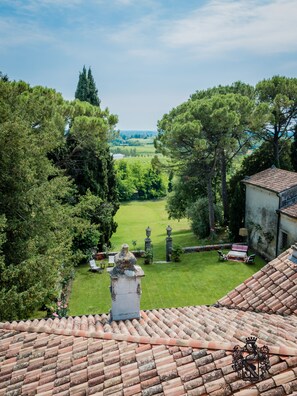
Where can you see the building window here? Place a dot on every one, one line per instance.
(283, 240)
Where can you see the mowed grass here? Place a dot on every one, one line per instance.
(198, 279)
(134, 217)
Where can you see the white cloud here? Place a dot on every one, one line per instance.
(134, 31)
(147, 54)
(228, 25)
(14, 33)
(36, 5)
(125, 2)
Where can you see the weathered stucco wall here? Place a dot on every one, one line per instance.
(289, 226)
(261, 219)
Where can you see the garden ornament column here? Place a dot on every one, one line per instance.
(125, 288)
(168, 243)
(147, 241)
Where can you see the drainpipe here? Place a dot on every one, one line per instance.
(278, 224)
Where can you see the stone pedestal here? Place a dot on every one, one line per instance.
(125, 290)
(168, 248)
(147, 244)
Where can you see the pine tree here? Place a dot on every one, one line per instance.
(35, 221)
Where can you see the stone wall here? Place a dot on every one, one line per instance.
(206, 248)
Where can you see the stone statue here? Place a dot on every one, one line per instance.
(124, 261)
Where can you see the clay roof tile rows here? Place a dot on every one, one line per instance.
(290, 211)
(273, 289)
(177, 351)
(273, 179)
(108, 367)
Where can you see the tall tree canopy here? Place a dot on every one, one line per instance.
(205, 134)
(201, 133)
(278, 97)
(86, 156)
(242, 138)
(51, 215)
(36, 221)
(238, 87)
(86, 90)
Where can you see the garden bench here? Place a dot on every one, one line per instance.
(111, 261)
(239, 248)
(238, 252)
(93, 266)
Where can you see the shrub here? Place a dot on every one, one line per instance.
(176, 253)
(148, 256)
(199, 216)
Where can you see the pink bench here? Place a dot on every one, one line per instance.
(239, 248)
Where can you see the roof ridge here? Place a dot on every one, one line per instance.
(198, 344)
(273, 179)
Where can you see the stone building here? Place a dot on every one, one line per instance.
(271, 210)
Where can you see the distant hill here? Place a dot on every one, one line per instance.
(137, 134)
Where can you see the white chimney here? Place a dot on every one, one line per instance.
(125, 286)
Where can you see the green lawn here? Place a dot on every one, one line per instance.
(134, 217)
(198, 279)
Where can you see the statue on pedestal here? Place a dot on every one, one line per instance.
(124, 261)
(125, 286)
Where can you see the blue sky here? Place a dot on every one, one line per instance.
(147, 56)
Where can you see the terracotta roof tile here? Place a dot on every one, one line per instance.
(156, 368)
(273, 179)
(290, 210)
(215, 385)
(274, 289)
(174, 351)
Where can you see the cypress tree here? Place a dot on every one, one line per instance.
(82, 89)
(86, 90)
(93, 97)
(95, 172)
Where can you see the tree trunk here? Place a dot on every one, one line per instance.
(294, 150)
(224, 187)
(276, 152)
(210, 204)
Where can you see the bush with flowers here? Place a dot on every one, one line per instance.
(61, 308)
